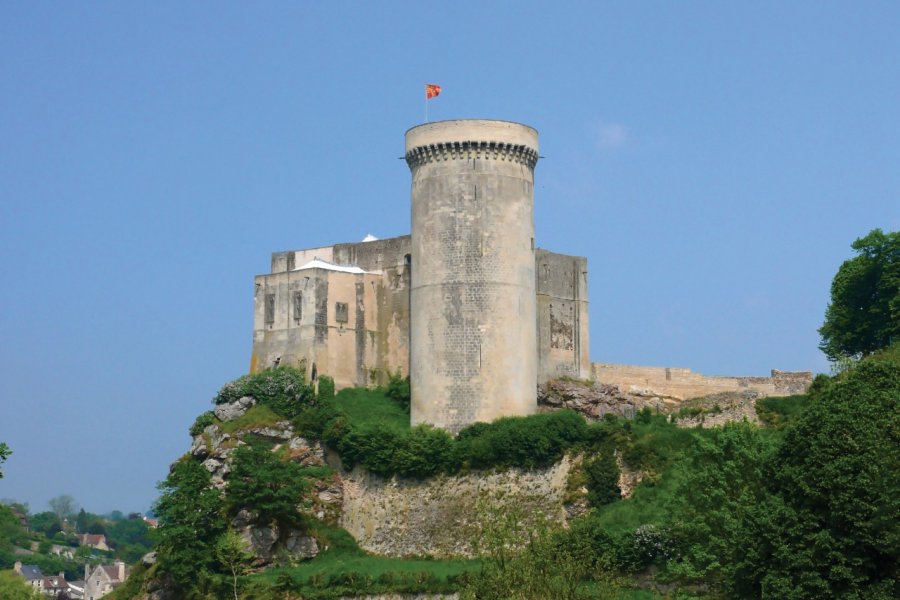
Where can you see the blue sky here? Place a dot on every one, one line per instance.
(713, 161)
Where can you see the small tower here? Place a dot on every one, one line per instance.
(473, 352)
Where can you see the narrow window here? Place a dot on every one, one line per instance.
(298, 306)
(340, 312)
(270, 309)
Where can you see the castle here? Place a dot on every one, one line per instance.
(467, 305)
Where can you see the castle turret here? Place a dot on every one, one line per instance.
(472, 301)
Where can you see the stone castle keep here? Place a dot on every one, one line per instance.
(467, 305)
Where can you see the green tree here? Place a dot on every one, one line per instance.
(231, 552)
(13, 587)
(723, 476)
(263, 483)
(834, 530)
(4, 454)
(45, 522)
(864, 313)
(602, 475)
(191, 519)
(525, 559)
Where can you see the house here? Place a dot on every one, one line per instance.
(76, 589)
(104, 579)
(95, 541)
(31, 574)
(52, 586)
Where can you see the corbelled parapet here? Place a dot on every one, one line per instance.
(519, 153)
(473, 349)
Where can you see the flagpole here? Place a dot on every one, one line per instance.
(426, 107)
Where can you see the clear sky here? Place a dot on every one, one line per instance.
(713, 161)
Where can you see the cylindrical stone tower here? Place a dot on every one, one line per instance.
(473, 353)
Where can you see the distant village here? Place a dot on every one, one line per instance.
(103, 569)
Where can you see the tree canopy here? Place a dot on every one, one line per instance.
(864, 313)
(4, 454)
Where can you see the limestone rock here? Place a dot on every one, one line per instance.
(233, 410)
(216, 436)
(281, 431)
(592, 399)
(149, 559)
(305, 452)
(198, 447)
(301, 546)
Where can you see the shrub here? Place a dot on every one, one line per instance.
(283, 389)
(602, 474)
(426, 451)
(202, 422)
(326, 389)
(398, 390)
(530, 442)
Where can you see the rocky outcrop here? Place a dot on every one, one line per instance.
(214, 447)
(233, 410)
(263, 540)
(718, 409)
(594, 400)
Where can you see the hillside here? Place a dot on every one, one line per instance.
(707, 513)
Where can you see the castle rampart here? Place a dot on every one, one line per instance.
(683, 384)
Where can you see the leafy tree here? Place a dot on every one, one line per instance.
(532, 561)
(11, 531)
(130, 532)
(46, 522)
(602, 474)
(723, 475)
(191, 519)
(263, 483)
(4, 454)
(231, 552)
(864, 313)
(834, 530)
(13, 587)
(64, 506)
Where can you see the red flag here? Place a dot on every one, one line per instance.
(432, 90)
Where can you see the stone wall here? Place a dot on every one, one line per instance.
(438, 517)
(562, 316)
(682, 384)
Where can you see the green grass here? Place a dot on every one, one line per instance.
(367, 408)
(341, 555)
(257, 416)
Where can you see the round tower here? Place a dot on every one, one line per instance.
(473, 353)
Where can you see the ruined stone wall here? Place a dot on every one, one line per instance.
(683, 383)
(439, 516)
(562, 316)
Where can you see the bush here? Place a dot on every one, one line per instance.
(602, 474)
(283, 389)
(202, 422)
(398, 390)
(326, 389)
(529, 442)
